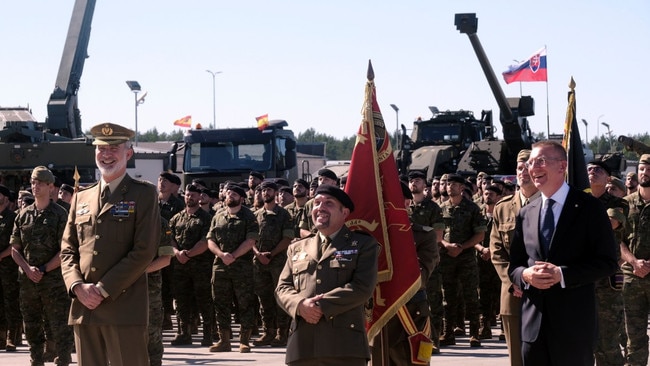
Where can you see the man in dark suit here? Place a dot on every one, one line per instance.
(112, 235)
(563, 243)
(327, 279)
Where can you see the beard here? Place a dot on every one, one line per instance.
(300, 194)
(269, 199)
(444, 193)
(644, 183)
(232, 202)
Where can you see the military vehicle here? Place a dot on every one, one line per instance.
(631, 144)
(455, 141)
(59, 142)
(218, 155)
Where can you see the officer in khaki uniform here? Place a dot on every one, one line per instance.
(503, 228)
(325, 283)
(107, 245)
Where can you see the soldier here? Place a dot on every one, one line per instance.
(9, 307)
(112, 234)
(489, 283)
(276, 233)
(65, 194)
(325, 176)
(464, 229)
(444, 196)
(636, 253)
(35, 245)
(608, 292)
(297, 207)
(503, 227)
(169, 205)
(426, 247)
(154, 279)
(631, 182)
(285, 196)
(616, 187)
(427, 215)
(192, 267)
(233, 232)
(254, 180)
(325, 283)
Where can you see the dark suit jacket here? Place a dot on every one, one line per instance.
(112, 245)
(584, 247)
(347, 274)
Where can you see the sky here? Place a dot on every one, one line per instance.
(306, 61)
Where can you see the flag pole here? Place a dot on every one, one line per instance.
(548, 119)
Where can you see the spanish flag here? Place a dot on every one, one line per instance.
(262, 122)
(184, 122)
(373, 184)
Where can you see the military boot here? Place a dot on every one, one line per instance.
(224, 342)
(50, 351)
(281, 338)
(447, 338)
(266, 338)
(184, 338)
(244, 338)
(207, 335)
(474, 340)
(485, 332)
(14, 336)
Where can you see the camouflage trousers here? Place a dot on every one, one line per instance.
(610, 325)
(191, 286)
(636, 299)
(48, 301)
(155, 346)
(266, 279)
(234, 283)
(489, 285)
(10, 317)
(461, 271)
(434, 295)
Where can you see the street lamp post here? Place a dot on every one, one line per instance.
(586, 132)
(396, 109)
(135, 88)
(609, 133)
(598, 131)
(214, 98)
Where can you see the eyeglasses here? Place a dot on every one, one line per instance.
(541, 161)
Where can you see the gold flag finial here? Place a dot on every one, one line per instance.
(572, 84)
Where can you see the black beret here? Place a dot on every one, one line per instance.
(302, 182)
(406, 191)
(601, 164)
(286, 189)
(455, 178)
(5, 191)
(417, 174)
(257, 175)
(192, 188)
(281, 182)
(199, 182)
(327, 173)
(212, 193)
(68, 188)
(57, 182)
(237, 189)
(313, 184)
(337, 193)
(172, 178)
(269, 184)
(494, 188)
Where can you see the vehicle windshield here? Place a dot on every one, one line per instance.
(218, 156)
(439, 133)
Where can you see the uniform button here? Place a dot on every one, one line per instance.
(295, 270)
(93, 269)
(343, 265)
(318, 281)
(351, 325)
(95, 252)
(320, 266)
(123, 291)
(97, 236)
(331, 317)
(99, 221)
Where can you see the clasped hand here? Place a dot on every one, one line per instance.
(310, 310)
(542, 275)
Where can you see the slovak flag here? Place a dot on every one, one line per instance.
(533, 69)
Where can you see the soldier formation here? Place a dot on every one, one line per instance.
(221, 255)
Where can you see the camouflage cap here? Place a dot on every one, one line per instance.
(110, 134)
(645, 159)
(618, 183)
(444, 177)
(523, 155)
(42, 174)
(481, 174)
(616, 214)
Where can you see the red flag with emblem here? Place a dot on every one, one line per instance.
(373, 184)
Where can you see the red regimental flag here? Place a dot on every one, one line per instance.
(373, 184)
(184, 122)
(262, 122)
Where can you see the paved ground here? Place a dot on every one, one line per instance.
(492, 353)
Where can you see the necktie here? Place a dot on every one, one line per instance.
(106, 192)
(548, 226)
(324, 244)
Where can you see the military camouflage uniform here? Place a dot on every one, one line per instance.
(610, 300)
(488, 282)
(274, 227)
(168, 209)
(154, 279)
(428, 214)
(306, 221)
(37, 234)
(462, 222)
(191, 281)
(10, 318)
(296, 214)
(235, 281)
(636, 290)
